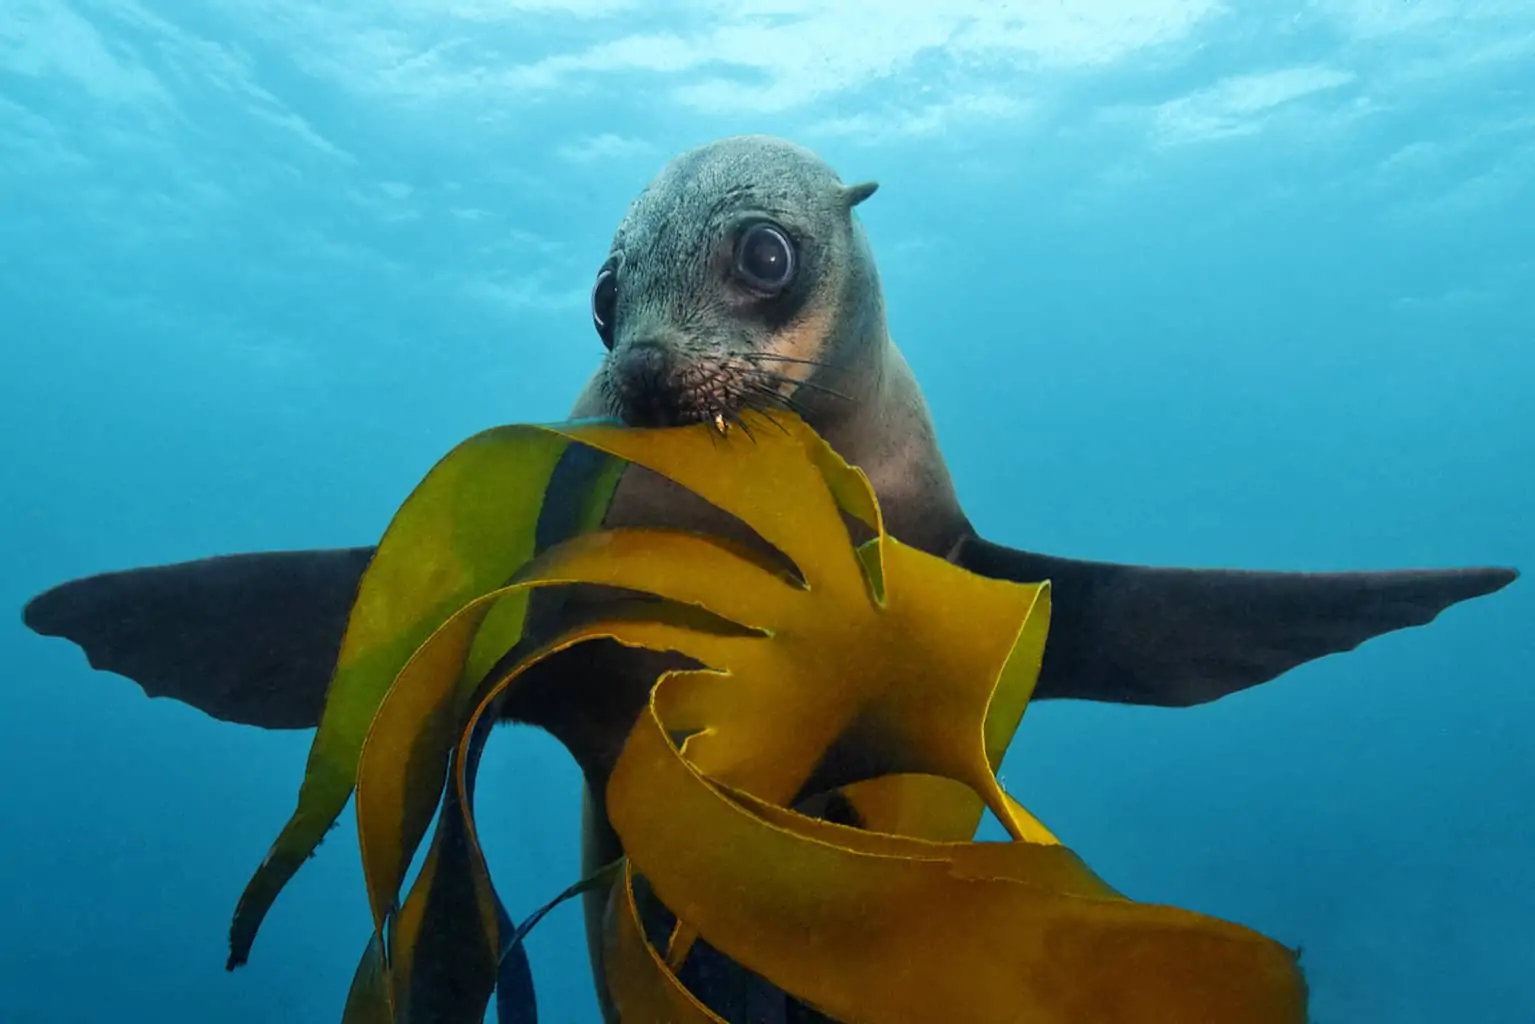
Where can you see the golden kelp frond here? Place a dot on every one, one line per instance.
(881, 929)
(463, 531)
(921, 669)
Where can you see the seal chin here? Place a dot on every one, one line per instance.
(659, 411)
(674, 409)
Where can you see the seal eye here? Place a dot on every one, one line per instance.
(765, 258)
(604, 304)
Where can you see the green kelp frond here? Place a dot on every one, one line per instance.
(924, 668)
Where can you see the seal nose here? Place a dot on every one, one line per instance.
(642, 370)
(643, 362)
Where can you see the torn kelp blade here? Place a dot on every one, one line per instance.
(989, 936)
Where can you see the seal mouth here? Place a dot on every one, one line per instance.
(649, 387)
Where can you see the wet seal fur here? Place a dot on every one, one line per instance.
(694, 336)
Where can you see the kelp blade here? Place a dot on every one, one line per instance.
(640, 984)
(925, 666)
(775, 480)
(446, 941)
(918, 939)
(837, 657)
(367, 1002)
(464, 529)
(447, 936)
(467, 527)
(404, 758)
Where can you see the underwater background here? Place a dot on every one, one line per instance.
(1186, 283)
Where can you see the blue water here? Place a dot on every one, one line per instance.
(1184, 286)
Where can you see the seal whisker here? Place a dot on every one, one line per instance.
(779, 358)
(767, 414)
(764, 401)
(780, 378)
(775, 397)
(793, 360)
(735, 418)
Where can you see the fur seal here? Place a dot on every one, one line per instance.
(741, 277)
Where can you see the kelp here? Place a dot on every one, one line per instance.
(922, 668)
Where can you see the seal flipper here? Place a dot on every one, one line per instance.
(248, 638)
(1177, 637)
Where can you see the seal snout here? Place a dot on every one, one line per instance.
(643, 373)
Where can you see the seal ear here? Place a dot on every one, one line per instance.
(852, 195)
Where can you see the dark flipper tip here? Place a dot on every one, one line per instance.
(1175, 637)
(244, 638)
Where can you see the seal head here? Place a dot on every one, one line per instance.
(739, 278)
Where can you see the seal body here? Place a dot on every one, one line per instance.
(739, 278)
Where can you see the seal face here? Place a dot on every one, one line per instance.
(725, 285)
